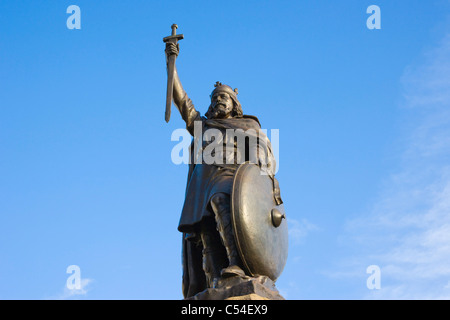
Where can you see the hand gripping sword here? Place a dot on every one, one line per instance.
(171, 69)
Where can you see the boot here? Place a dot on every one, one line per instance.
(214, 257)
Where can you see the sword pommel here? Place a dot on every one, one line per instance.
(174, 29)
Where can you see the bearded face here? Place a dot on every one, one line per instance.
(222, 105)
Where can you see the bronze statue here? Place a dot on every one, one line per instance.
(233, 220)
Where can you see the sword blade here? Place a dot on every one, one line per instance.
(169, 95)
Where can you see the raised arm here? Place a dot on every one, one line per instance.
(180, 98)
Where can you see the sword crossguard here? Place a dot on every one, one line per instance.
(174, 37)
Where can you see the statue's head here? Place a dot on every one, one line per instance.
(224, 103)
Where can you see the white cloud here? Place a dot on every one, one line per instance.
(408, 230)
(298, 230)
(70, 294)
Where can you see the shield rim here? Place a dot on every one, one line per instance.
(235, 203)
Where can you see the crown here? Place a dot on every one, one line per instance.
(224, 88)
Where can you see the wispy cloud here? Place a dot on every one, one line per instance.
(299, 229)
(72, 294)
(408, 228)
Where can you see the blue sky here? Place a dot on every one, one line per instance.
(363, 117)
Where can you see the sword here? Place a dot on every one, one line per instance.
(171, 69)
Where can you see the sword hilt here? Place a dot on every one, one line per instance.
(174, 37)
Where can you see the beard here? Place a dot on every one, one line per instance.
(220, 111)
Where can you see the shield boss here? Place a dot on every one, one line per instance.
(259, 224)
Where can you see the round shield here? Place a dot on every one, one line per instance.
(259, 224)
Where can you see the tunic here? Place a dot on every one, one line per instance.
(212, 167)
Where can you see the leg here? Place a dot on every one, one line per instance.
(220, 204)
(214, 256)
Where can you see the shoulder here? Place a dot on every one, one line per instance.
(250, 117)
